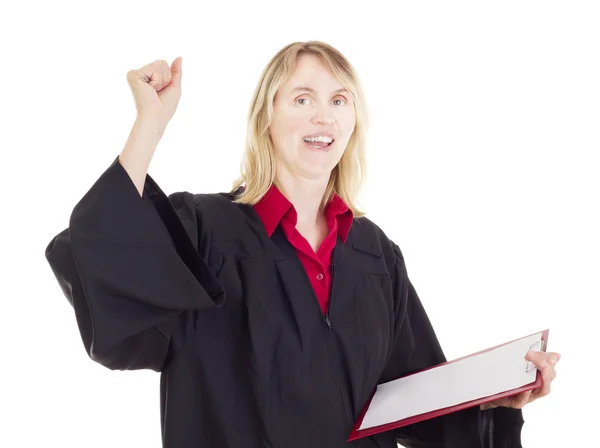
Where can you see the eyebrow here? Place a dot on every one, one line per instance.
(308, 89)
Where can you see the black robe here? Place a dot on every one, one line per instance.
(191, 286)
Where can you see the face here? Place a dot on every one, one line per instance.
(310, 104)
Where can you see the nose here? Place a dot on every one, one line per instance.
(322, 116)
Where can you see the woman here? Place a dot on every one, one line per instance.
(271, 311)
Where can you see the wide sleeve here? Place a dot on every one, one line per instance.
(415, 348)
(131, 267)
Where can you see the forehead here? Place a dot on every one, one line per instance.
(312, 73)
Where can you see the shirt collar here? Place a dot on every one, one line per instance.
(274, 206)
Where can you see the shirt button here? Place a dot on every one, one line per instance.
(319, 276)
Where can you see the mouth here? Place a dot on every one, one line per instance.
(318, 141)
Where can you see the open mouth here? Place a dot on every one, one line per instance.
(320, 142)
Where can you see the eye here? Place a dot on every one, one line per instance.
(302, 99)
(339, 99)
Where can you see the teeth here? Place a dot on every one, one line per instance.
(320, 138)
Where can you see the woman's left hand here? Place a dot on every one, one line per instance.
(545, 362)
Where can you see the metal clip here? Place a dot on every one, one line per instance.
(538, 347)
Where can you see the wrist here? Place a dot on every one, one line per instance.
(150, 124)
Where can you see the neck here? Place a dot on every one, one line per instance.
(306, 196)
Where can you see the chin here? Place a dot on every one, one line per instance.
(317, 163)
(318, 171)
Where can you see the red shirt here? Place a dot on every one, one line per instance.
(274, 209)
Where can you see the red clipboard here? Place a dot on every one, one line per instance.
(359, 433)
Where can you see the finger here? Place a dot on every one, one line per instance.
(172, 93)
(490, 405)
(167, 72)
(540, 392)
(163, 75)
(520, 400)
(158, 75)
(176, 71)
(154, 72)
(539, 358)
(555, 357)
(544, 365)
(548, 375)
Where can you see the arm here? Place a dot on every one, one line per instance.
(139, 150)
(416, 347)
(129, 266)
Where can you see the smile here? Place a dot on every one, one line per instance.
(318, 142)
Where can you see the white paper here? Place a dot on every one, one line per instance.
(498, 370)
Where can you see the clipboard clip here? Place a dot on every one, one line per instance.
(538, 346)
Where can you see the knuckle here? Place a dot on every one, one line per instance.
(132, 75)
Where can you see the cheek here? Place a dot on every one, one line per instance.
(291, 131)
(294, 124)
(347, 121)
(287, 127)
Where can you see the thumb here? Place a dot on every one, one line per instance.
(172, 93)
(176, 71)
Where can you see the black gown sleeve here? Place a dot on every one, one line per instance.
(416, 347)
(131, 267)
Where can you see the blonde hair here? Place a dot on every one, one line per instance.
(258, 163)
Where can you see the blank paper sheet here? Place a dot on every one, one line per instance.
(492, 372)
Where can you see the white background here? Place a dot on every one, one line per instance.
(483, 159)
